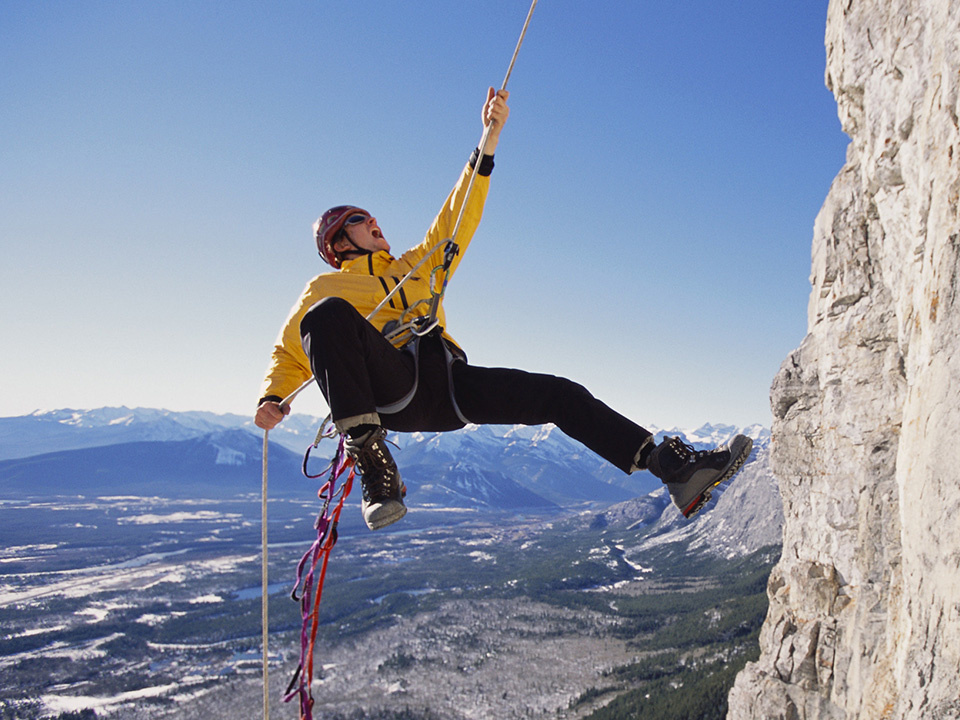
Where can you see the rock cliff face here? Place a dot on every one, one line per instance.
(864, 619)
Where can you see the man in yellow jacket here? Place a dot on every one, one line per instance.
(423, 382)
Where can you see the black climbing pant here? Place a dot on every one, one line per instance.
(429, 386)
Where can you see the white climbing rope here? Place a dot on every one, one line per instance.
(264, 603)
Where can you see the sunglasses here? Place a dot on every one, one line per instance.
(356, 219)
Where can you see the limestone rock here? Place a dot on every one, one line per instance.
(864, 617)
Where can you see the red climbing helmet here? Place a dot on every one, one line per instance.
(325, 230)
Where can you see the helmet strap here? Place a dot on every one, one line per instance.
(356, 252)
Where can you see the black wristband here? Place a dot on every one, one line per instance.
(486, 164)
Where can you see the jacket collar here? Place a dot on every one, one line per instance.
(370, 264)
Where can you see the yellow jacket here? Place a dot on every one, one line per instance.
(365, 281)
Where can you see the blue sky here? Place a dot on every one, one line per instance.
(647, 232)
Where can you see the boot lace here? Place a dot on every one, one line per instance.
(684, 452)
(379, 477)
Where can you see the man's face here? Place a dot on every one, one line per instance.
(365, 235)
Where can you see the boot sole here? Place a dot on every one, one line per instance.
(386, 514)
(735, 464)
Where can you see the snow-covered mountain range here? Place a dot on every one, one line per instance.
(165, 453)
(68, 429)
(551, 464)
(55, 430)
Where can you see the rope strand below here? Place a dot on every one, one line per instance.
(308, 588)
(264, 582)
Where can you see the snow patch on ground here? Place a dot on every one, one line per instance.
(206, 600)
(71, 703)
(479, 556)
(179, 517)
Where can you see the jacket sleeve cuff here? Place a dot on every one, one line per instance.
(269, 398)
(486, 164)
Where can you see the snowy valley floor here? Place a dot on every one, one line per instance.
(146, 608)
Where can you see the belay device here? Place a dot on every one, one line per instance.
(312, 568)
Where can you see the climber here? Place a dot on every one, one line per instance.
(426, 383)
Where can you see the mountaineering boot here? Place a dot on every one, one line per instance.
(383, 491)
(690, 475)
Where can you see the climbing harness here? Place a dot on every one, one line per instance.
(319, 553)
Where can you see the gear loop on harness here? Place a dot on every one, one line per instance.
(327, 430)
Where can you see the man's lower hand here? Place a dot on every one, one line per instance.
(269, 415)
